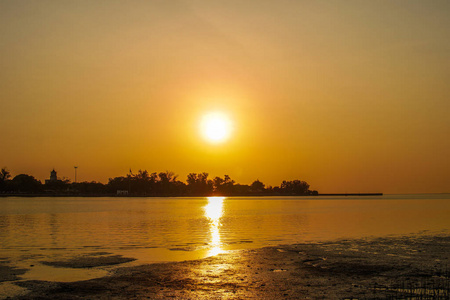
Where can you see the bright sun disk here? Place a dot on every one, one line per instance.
(216, 127)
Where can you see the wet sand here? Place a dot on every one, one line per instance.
(377, 268)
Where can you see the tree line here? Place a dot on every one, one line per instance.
(144, 183)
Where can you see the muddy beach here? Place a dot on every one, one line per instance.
(377, 268)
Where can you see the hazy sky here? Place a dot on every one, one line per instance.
(350, 96)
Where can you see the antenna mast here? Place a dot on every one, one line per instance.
(76, 167)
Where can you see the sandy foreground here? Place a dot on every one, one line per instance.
(410, 267)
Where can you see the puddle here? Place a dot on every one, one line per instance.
(49, 273)
(155, 255)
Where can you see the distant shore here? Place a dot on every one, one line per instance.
(152, 196)
(353, 194)
(374, 268)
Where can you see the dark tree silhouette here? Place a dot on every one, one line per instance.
(240, 190)
(257, 187)
(199, 184)
(89, 188)
(118, 183)
(167, 184)
(5, 176)
(148, 184)
(23, 183)
(295, 187)
(58, 186)
(217, 183)
(223, 186)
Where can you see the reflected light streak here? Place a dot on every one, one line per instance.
(214, 211)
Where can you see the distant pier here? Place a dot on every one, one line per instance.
(353, 194)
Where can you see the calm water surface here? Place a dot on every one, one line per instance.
(165, 229)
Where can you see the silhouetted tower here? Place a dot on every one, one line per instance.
(53, 176)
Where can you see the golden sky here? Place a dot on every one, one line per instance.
(350, 96)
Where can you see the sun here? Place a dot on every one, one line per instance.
(216, 127)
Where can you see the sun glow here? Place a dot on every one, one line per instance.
(216, 127)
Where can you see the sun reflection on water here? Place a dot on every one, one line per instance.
(214, 211)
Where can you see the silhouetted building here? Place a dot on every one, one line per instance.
(122, 192)
(53, 177)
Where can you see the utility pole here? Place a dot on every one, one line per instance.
(75, 174)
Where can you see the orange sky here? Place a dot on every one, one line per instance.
(350, 96)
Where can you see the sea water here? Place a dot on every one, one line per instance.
(39, 229)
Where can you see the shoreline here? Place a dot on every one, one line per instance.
(368, 268)
(5, 195)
